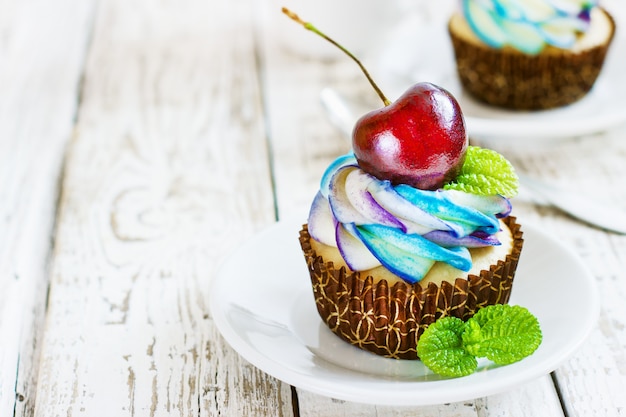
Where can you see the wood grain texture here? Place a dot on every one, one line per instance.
(523, 401)
(167, 173)
(42, 50)
(593, 381)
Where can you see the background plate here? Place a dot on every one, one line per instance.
(262, 303)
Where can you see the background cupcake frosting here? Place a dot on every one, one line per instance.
(528, 26)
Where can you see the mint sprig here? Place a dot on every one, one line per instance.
(485, 172)
(441, 348)
(501, 333)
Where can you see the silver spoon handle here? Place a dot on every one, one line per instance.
(340, 114)
(580, 206)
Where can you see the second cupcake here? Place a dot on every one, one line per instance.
(530, 55)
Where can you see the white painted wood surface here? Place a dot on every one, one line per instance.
(167, 173)
(192, 130)
(42, 50)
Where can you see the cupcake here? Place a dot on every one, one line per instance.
(530, 55)
(390, 250)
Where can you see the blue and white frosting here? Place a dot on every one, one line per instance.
(407, 230)
(528, 25)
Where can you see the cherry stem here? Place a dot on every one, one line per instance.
(313, 29)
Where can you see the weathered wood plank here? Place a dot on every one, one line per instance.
(521, 401)
(593, 381)
(42, 49)
(167, 173)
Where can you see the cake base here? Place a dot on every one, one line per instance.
(388, 320)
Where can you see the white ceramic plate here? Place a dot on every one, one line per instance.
(262, 303)
(603, 108)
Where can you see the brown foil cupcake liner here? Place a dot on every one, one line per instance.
(388, 320)
(510, 79)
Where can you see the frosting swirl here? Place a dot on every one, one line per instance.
(405, 229)
(528, 25)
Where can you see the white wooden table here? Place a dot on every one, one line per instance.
(140, 143)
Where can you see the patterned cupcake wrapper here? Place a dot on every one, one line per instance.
(510, 79)
(388, 320)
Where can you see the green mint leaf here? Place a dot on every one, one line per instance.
(441, 348)
(502, 333)
(485, 172)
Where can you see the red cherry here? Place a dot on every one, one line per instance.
(419, 140)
